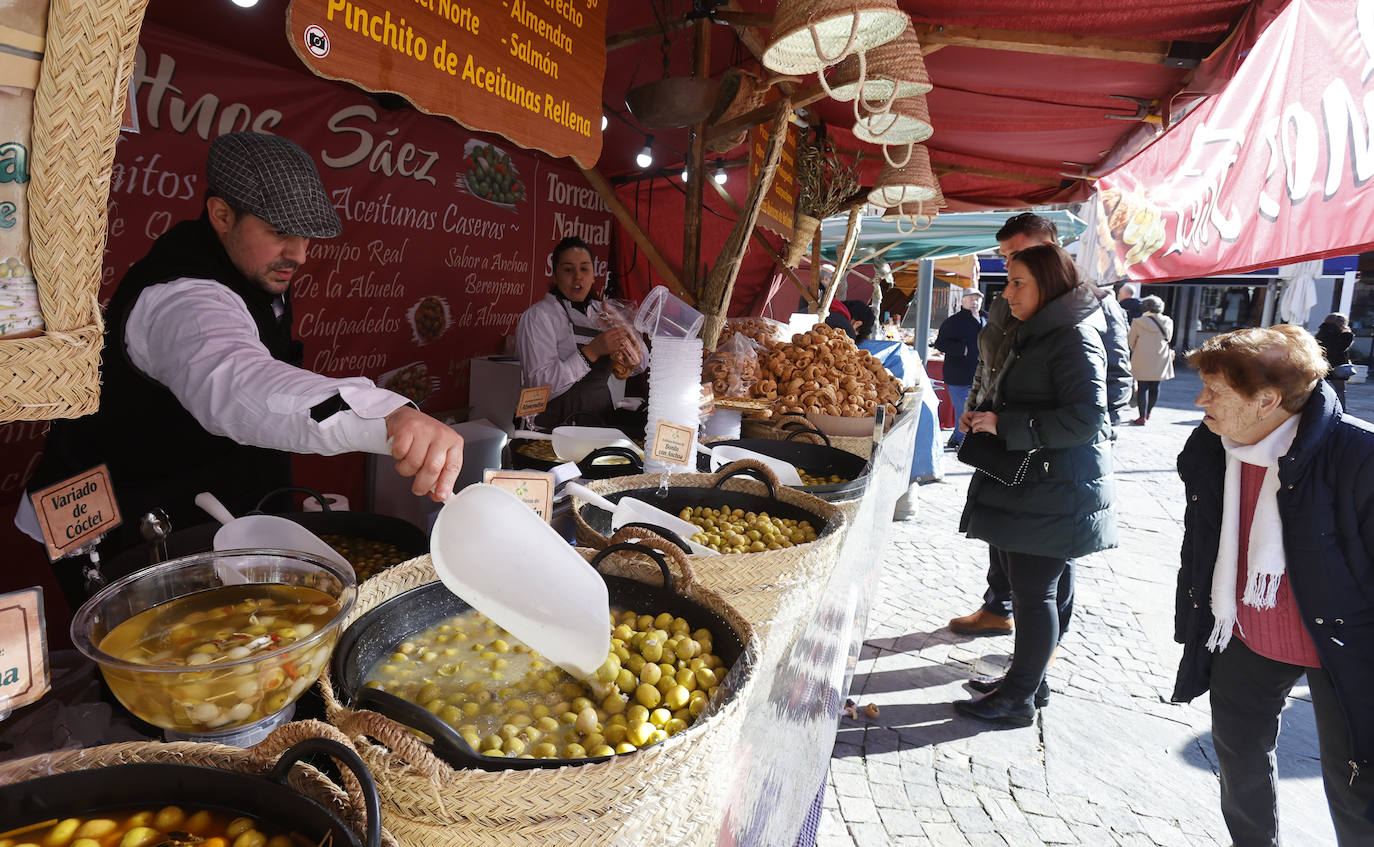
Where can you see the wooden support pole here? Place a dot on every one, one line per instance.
(816, 266)
(846, 252)
(696, 165)
(758, 236)
(715, 298)
(627, 220)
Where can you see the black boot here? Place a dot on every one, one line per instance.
(997, 709)
(988, 686)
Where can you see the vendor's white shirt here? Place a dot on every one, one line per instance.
(197, 338)
(548, 348)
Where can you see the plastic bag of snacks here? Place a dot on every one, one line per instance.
(733, 367)
(765, 331)
(19, 311)
(620, 313)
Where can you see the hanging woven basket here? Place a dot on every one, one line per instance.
(891, 70)
(809, 35)
(672, 102)
(906, 121)
(803, 231)
(913, 182)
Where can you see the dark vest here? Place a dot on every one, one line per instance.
(157, 453)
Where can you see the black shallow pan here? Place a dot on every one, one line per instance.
(815, 459)
(674, 500)
(374, 636)
(588, 466)
(265, 798)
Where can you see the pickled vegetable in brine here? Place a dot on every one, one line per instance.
(152, 826)
(242, 648)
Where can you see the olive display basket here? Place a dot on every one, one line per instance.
(144, 780)
(374, 636)
(815, 459)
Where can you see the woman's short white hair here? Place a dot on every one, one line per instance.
(1151, 304)
(1128, 290)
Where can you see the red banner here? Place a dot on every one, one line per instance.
(1272, 171)
(427, 273)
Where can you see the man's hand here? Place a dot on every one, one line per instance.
(426, 449)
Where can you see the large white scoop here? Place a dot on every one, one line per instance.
(507, 563)
(629, 510)
(724, 454)
(573, 443)
(263, 531)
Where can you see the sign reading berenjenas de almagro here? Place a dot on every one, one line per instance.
(531, 70)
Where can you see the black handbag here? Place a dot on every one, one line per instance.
(988, 454)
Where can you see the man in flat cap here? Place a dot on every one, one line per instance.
(202, 384)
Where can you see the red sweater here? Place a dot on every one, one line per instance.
(1275, 633)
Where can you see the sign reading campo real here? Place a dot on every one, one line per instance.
(531, 70)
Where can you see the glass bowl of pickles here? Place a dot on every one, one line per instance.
(214, 643)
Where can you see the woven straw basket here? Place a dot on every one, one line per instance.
(671, 793)
(772, 429)
(774, 589)
(347, 804)
(78, 108)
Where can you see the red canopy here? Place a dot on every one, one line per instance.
(1272, 171)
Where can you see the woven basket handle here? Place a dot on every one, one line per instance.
(657, 539)
(400, 740)
(749, 467)
(287, 744)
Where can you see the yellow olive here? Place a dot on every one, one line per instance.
(647, 696)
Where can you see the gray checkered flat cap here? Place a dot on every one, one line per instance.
(273, 178)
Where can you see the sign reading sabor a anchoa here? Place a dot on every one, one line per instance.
(23, 648)
(531, 70)
(76, 511)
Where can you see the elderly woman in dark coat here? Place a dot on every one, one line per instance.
(1335, 337)
(1050, 400)
(1278, 574)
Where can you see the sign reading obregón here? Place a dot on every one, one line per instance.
(531, 70)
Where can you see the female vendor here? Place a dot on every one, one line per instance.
(562, 346)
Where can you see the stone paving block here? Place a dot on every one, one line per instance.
(945, 835)
(1132, 839)
(985, 839)
(1051, 830)
(932, 814)
(1119, 819)
(858, 810)
(885, 795)
(866, 834)
(885, 773)
(957, 796)
(901, 821)
(1033, 802)
(922, 796)
(1076, 809)
(972, 819)
(1165, 833)
(1023, 777)
(850, 784)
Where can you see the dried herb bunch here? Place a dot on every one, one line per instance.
(826, 179)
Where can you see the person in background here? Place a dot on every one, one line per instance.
(840, 318)
(862, 318)
(1335, 338)
(1051, 399)
(1277, 575)
(958, 340)
(562, 345)
(994, 617)
(1152, 361)
(1129, 297)
(202, 385)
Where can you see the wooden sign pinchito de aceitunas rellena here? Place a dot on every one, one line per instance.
(529, 70)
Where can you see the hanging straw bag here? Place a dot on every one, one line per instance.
(670, 793)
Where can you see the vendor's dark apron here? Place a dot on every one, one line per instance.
(588, 402)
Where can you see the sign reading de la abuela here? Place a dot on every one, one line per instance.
(24, 675)
(531, 70)
(75, 511)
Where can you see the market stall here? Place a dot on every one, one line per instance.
(452, 176)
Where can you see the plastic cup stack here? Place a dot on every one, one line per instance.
(724, 423)
(674, 395)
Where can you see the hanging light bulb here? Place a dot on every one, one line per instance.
(684, 174)
(245, 4)
(719, 176)
(646, 156)
(604, 121)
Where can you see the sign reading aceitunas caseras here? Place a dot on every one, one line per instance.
(531, 70)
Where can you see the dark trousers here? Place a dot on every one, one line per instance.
(997, 599)
(1040, 619)
(1146, 397)
(1247, 694)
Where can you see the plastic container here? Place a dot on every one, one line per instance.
(662, 315)
(573, 443)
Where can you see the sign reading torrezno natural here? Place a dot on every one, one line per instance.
(531, 70)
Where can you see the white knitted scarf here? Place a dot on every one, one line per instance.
(1265, 560)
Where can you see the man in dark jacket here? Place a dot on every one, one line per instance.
(958, 340)
(1273, 425)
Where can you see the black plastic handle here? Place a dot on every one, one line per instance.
(663, 531)
(800, 429)
(447, 742)
(347, 758)
(747, 471)
(615, 450)
(319, 498)
(652, 553)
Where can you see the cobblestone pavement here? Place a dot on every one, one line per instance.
(1110, 761)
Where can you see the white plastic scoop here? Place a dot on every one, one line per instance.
(573, 443)
(724, 454)
(258, 531)
(499, 556)
(629, 510)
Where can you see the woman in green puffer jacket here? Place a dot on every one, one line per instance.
(1050, 399)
